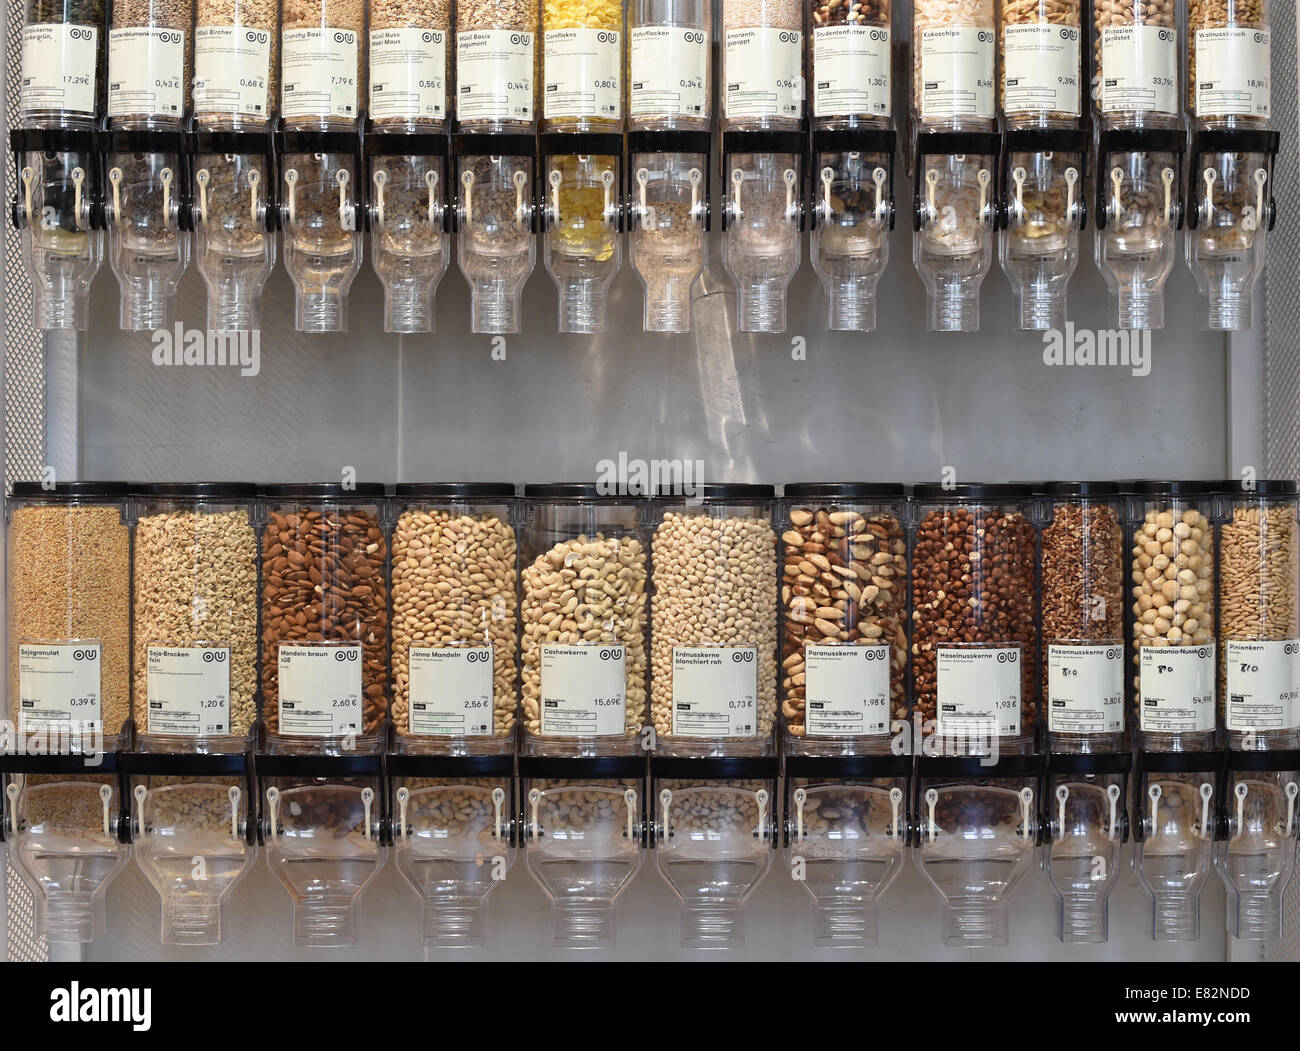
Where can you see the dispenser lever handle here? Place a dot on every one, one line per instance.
(1167, 178)
(762, 797)
(498, 807)
(431, 181)
(629, 801)
(1241, 791)
(105, 795)
(115, 180)
(235, 794)
(932, 798)
(467, 185)
(665, 805)
(254, 202)
(165, 177)
(28, 175)
(367, 801)
(1071, 182)
(273, 804)
(895, 806)
(347, 213)
(380, 179)
(1207, 793)
(291, 206)
(800, 798)
(79, 204)
(12, 791)
(1153, 794)
(1062, 795)
(403, 804)
(1292, 790)
(534, 803)
(202, 177)
(1113, 794)
(141, 793)
(521, 212)
(1026, 812)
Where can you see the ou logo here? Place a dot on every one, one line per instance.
(519, 38)
(82, 34)
(83, 655)
(789, 38)
(743, 657)
(342, 38)
(985, 37)
(1204, 651)
(1166, 35)
(1007, 657)
(1113, 653)
(214, 655)
(879, 35)
(346, 655)
(477, 655)
(1292, 648)
(605, 37)
(428, 38)
(694, 38)
(608, 655)
(254, 37)
(876, 653)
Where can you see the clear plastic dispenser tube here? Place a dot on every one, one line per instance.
(192, 842)
(452, 840)
(62, 831)
(1139, 209)
(236, 63)
(974, 844)
(322, 841)
(56, 169)
(1230, 206)
(847, 843)
(319, 155)
(956, 150)
(583, 837)
(1088, 824)
(714, 842)
(149, 67)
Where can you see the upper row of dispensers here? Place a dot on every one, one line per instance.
(212, 126)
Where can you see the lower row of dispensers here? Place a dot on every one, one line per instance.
(844, 828)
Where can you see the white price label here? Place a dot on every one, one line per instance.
(582, 74)
(715, 691)
(1263, 685)
(957, 72)
(1177, 694)
(408, 73)
(763, 73)
(59, 68)
(1085, 689)
(146, 72)
(58, 685)
(494, 75)
(320, 689)
(978, 691)
(319, 71)
(188, 690)
(668, 70)
(450, 691)
(584, 691)
(232, 70)
(1233, 70)
(1040, 69)
(1139, 69)
(851, 71)
(847, 690)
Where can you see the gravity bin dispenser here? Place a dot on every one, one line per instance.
(1230, 212)
(322, 819)
(1044, 210)
(846, 838)
(495, 223)
(583, 831)
(233, 218)
(453, 836)
(66, 835)
(762, 220)
(582, 222)
(851, 215)
(977, 832)
(1175, 822)
(1256, 854)
(194, 837)
(954, 216)
(320, 214)
(409, 219)
(669, 217)
(715, 832)
(57, 211)
(1085, 827)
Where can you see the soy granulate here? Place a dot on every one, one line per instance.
(323, 582)
(70, 580)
